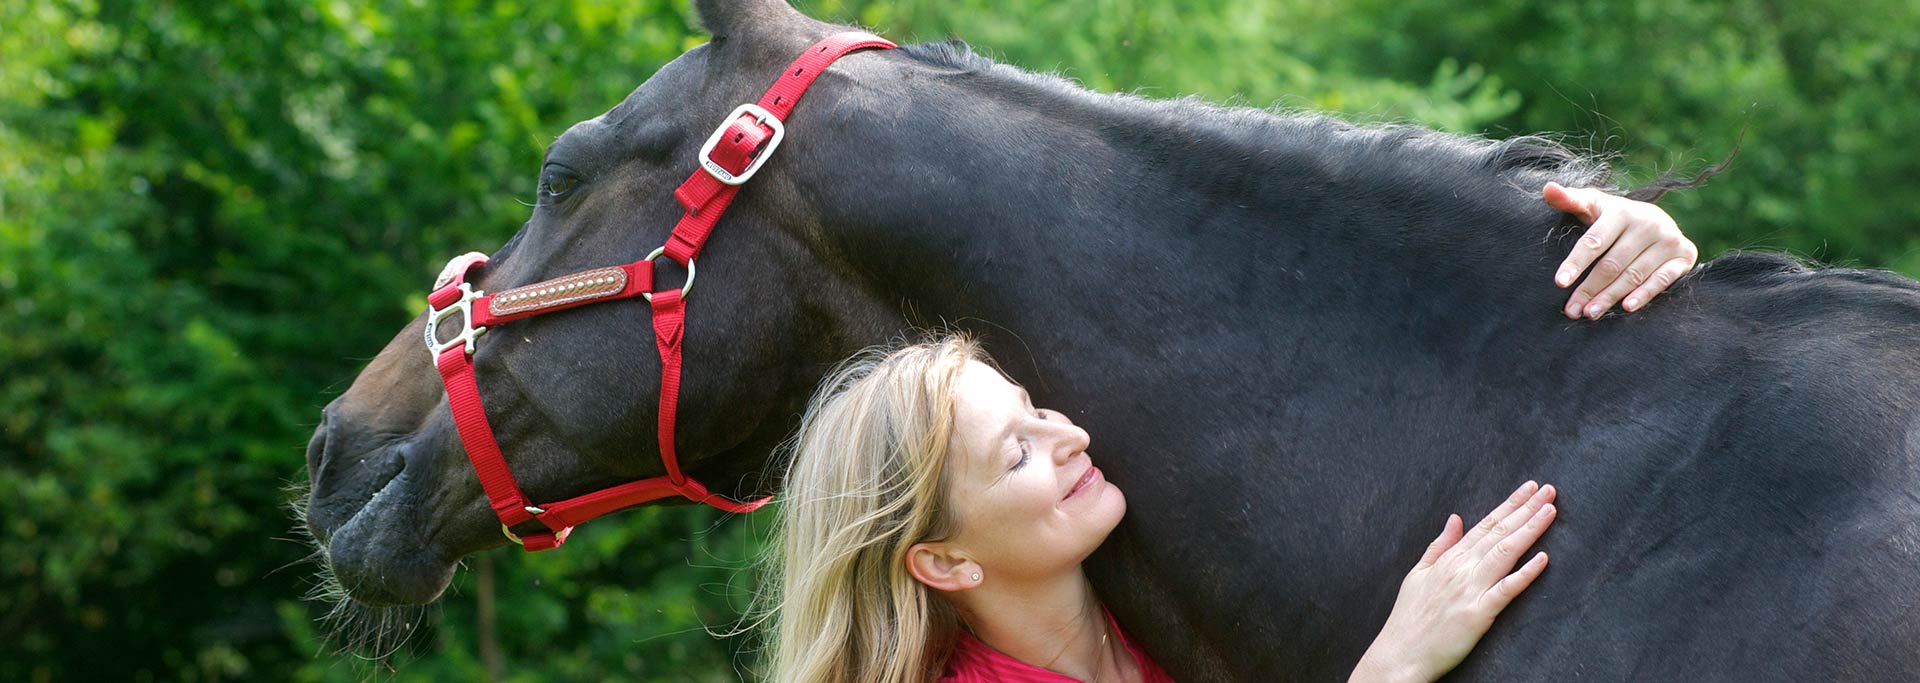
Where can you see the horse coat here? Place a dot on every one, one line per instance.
(1297, 343)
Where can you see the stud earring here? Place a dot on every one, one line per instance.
(976, 576)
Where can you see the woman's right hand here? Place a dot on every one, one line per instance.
(1450, 598)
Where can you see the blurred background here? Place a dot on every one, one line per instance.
(212, 213)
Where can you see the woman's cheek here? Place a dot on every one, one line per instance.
(1037, 490)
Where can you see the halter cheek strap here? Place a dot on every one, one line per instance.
(733, 154)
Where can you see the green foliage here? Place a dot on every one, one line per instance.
(1222, 50)
(208, 211)
(1823, 91)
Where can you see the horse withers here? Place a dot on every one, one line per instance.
(1297, 344)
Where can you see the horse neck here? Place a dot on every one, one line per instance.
(980, 196)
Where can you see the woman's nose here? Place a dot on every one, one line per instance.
(1067, 437)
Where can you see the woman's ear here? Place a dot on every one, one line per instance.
(942, 567)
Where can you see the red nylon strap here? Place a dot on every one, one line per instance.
(703, 195)
(669, 329)
(463, 395)
(489, 463)
(669, 323)
(705, 199)
(446, 286)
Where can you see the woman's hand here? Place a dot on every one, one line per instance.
(1450, 598)
(1643, 249)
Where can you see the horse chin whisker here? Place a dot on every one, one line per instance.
(365, 633)
(360, 632)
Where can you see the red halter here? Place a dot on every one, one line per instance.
(744, 142)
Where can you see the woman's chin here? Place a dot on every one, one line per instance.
(1106, 506)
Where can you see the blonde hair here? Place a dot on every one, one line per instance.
(865, 482)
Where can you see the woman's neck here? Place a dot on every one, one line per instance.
(1055, 624)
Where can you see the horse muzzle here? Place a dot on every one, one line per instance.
(365, 515)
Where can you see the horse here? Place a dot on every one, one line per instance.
(1298, 344)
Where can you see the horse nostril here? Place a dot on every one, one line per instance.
(317, 449)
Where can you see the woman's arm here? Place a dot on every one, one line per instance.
(1450, 598)
(1639, 247)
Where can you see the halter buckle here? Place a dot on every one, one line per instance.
(762, 117)
(468, 332)
(558, 537)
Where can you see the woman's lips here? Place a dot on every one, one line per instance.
(1086, 479)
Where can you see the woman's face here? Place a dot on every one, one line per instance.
(1030, 502)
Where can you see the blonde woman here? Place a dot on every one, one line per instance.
(935, 523)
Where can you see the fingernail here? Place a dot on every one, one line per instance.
(1594, 311)
(1573, 311)
(1633, 303)
(1563, 278)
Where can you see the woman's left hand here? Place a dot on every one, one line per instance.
(1465, 579)
(1639, 247)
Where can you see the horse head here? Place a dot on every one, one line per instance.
(572, 397)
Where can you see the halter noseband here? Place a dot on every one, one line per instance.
(744, 142)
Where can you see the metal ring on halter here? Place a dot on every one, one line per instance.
(688, 287)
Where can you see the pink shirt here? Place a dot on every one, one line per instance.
(977, 662)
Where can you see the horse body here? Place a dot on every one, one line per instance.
(1297, 344)
(1293, 374)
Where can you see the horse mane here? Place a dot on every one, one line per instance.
(1459, 160)
(1465, 163)
(1769, 267)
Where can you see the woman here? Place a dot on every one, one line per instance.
(935, 521)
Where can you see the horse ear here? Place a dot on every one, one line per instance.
(724, 18)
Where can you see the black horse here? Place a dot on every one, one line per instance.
(1298, 344)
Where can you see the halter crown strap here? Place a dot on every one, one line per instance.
(734, 153)
(705, 195)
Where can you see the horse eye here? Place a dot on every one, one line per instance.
(557, 181)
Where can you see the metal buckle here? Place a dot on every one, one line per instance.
(467, 331)
(684, 288)
(560, 536)
(761, 116)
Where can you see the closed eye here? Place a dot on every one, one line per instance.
(1026, 449)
